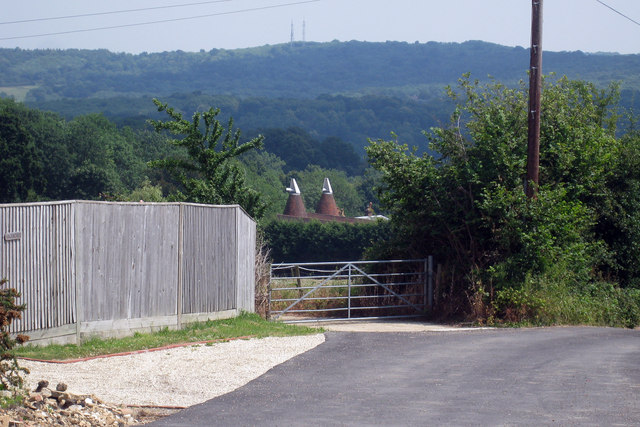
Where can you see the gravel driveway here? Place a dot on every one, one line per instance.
(181, 376)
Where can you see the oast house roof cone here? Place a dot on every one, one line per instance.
(295, 205)
(326, 210)
(327, 204)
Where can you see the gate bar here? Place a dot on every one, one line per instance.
(404, 316)
(291, 264)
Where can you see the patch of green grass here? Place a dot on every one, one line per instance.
(247, 324)
(19, 93)
(11, 401)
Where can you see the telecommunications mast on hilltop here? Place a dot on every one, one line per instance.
(304, 32)
(291, 31)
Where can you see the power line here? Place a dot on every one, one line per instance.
(111, 12)
(619, 13)
(253, 9)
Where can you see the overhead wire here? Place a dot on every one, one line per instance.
(162, 21)
(114, 12)
(619, 13)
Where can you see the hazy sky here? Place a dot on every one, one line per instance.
(570, 25)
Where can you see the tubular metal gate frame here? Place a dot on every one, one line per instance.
(326, 272)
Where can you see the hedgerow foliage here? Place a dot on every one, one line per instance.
(10, 371)
(294, 241)
(503, 256)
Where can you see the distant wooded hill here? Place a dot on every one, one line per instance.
(354, 90)
(292, 70)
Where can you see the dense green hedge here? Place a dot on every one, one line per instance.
(567, 256)
(292, 241)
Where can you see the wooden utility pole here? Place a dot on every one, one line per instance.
(535, 88)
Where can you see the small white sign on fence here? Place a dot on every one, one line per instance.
(16, 235)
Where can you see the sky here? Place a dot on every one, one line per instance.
(569, 25)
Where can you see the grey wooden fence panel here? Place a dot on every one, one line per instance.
(162, 226)
(246, 261)
(122, 260)
(35, 255)
(127, 260)
(209, 259)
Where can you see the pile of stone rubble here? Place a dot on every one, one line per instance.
(46, 406)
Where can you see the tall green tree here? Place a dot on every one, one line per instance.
(208, 174)
(51, 158)
(21, 174)
(264, 173)
(93, 144)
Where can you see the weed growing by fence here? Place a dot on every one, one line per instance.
(262, 267)
(10, 372)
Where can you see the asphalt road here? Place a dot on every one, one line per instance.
(546, 376)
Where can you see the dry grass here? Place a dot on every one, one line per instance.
(262, 276)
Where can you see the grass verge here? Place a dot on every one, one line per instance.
(247, 324)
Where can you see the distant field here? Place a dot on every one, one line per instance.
(17, 92)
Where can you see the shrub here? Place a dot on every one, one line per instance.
(538, 260)
(554, 298)
(518, 305)
(10, 372)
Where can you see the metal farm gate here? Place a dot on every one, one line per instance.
(327, 291)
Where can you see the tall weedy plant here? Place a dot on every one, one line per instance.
(10, 372)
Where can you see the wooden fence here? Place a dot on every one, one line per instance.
(87, 268)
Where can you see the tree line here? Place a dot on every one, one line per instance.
(43, 156)
(298, 70)
(568, 256)
(352, 119)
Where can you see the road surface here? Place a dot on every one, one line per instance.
(541, 376)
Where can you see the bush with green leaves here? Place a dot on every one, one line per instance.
(464, 202)
(10, 372)
(146, 192)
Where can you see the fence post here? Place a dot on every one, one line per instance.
(425, 284)
(268, 310)
(180, 266)
(74, 274)
(430, 280)
(298, 281)
(349, 295)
